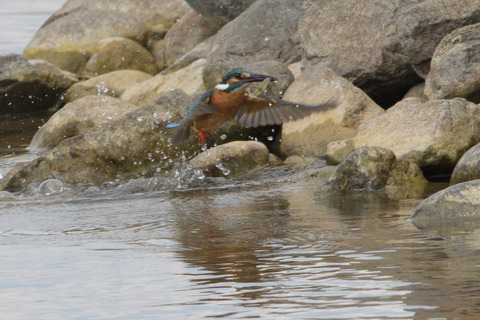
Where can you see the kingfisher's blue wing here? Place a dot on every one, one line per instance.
(265, 110)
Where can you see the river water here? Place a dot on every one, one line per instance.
(227, 248)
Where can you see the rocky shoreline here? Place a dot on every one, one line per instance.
(406, 76)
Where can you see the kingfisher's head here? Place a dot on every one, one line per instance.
(237, 77)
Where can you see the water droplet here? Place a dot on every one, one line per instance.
(171, 88)
(109, 117)
(270, 138)
(225, 171)
(223, 136)
(139, 119)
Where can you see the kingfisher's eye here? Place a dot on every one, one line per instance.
(238, 75)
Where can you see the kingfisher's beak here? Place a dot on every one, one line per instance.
(258, 78)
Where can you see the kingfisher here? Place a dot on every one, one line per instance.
(229, 100)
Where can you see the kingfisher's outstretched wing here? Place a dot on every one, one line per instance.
(265, 110)
(198, 108)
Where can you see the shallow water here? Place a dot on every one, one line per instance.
(222, 248)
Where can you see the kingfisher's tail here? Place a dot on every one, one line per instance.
(181, 133)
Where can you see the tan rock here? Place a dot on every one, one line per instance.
(118, 53)
(68, 42)
(79, 117)
(231, 158)
(187, 33)
(310, 136)
(432, 134)
(110, 84)
(188, 79)
(455, 66)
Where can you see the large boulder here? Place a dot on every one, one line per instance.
(375, 169)
(79, 117)
(189, 79)
(432, 134)
(187, 33)
(119, 53)
(455, 66)
(136, 144)
(111, 84)
(30, 85)
(231, 158)
(241, 41)
(69, 41)
(460, 201)
(468, 167)
(310, 136)
(219, 12)
(421, 25)
(358, 40)
(151, 13)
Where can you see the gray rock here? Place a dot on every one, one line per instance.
(376, 169)
(455, 66)
(79, 117)
(460, 201)
(468, 167)
(241, 41)
(310, 136)
(231, 158)
(30, 85)
(136, 144)
(119, 53)
(111, 84)
(432, 134)
(69, 41)
(187, 33)
(421, 25)
(366, 50)
(219, 12)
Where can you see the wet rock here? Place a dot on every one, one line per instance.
(301, 163)
(30, 85)
(134, 145)
(111, 84)
(187, 33)
(460, 201)
(373, 169)
(310, 136)
(188, 79)
(468, 167)
(79, 117)
(356, 50)
(70, 40)
(119, 53)
(421, 25)
(231, 158)
(455, 66)
(241, 42)
(219, 12)
(432, 134)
